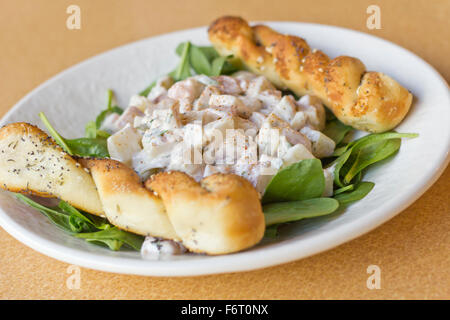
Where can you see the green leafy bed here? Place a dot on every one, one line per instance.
(86, 226)
(293, 194)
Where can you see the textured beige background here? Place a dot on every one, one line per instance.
(412, 250)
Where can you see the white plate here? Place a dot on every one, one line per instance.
(76, 95)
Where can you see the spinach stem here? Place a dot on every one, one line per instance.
(110, 99)
(59, 140)
(184, 59)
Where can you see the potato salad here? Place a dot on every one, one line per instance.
(210, 114)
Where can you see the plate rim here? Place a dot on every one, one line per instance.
(227, 263)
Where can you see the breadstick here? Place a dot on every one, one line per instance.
(366, 100)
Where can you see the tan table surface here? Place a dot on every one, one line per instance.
(412, 250)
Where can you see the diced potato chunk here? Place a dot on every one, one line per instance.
(314, 111)
(139, 102)
(187, 90)
(203, 101)
(231, 104)
(322, 146)
(228, 85)
(258, 85)
(268, 167)
(295, 154)
(299, 120)
(257, 118)
(329, 178)
(128, 116)
(217, 127)
(286, 108)
(124, 143)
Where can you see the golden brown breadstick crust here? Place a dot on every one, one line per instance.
(370, 101)
(219, 215)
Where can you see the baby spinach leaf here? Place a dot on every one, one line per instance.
(199, 61)
(271, 231)
(53, 214)
(86, 226)
(112, 244)
(357, 178)
(336, 130)
(372, 138)
(83, 147)
(299, 181)
(55, 135)
(103, 134)
(79, 225)
(347, 166)
(78, 222)
(70, 221)
(95, 221)
(344, 189)
(203, 59)
(89, 147)
(282, 212)
(339, 163)
(209, 52)
(360, 191)
(217, 66)
(77, 218)
(339, 151)
(229, 67)
(179, 49)
(358, 154)
(111, 107)
(370, 154)
(90, 130)
(102, 115)
(183, 69)
(114, 233)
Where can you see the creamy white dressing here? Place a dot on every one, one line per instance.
(155, 247)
